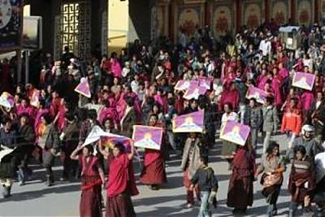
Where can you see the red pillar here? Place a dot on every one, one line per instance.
(293, 11)
(207, 15)
(267, 11)
(171, 21)
(317, 5)
(238, 15)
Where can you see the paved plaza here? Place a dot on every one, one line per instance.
(35, 199)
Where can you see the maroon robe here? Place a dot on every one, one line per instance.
(241, 181)
(90, 202)
(153, 172)
(121, 186)
(228, 96)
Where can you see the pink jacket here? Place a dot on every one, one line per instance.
(116, 68)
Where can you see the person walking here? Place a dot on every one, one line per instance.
(69, 138)
(8, 164)
(228, 148)
(272, 167)
(254, 119)
(121, 182)
(50, 143)
(271, 121)
(240, 190)
(190, 163)
(92, 177)
(153, 172)
(291, 122)
(301, 181)
(208, 185)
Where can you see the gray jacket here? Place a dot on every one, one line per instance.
(271, 119)
(53, 140)
(254, 118)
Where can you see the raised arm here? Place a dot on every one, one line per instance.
(131, 155)
(74, 155)
(102, 149)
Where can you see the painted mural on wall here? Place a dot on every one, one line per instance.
(252, 15)
(189, 20)
(280, 11)
(304, 12)
(222, 20)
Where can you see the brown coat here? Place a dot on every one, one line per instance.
(191, 158)
(129, 120)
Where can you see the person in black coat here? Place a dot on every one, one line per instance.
(209, 120)
(49, 141)
(316, 116)
(8, 164)
(25, 147)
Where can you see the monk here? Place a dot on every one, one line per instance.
(121, 182)
(92, 177)
(153, 172)
(241, 181)
(229, 95)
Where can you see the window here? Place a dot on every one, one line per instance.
(70, 26)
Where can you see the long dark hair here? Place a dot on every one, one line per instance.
(120, 147)
(272, 145)
(301, 149)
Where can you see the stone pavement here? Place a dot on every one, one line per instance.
(62, 199)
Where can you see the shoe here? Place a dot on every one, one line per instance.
(6, 192)
(48, 184)
(29, 174)
(49, 181)
(291, 213)
(63, 179)
(229, 166)
(270, 210)
(307, 209)
(189, 205)
(154, 187)
(21, 176)
(275, 210)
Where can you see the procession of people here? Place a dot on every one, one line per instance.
(163, 100)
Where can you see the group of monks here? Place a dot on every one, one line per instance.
(137, 87)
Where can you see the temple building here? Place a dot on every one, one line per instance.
(90, 25)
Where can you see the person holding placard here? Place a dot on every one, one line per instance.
(8, 164)
(92, 177)
(153, 172)
(121, 182)
(228, 148)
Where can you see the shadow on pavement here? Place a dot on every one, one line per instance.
(30, 195)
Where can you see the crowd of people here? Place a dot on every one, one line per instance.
(137, 87)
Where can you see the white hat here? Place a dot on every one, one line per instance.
(307, 128)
